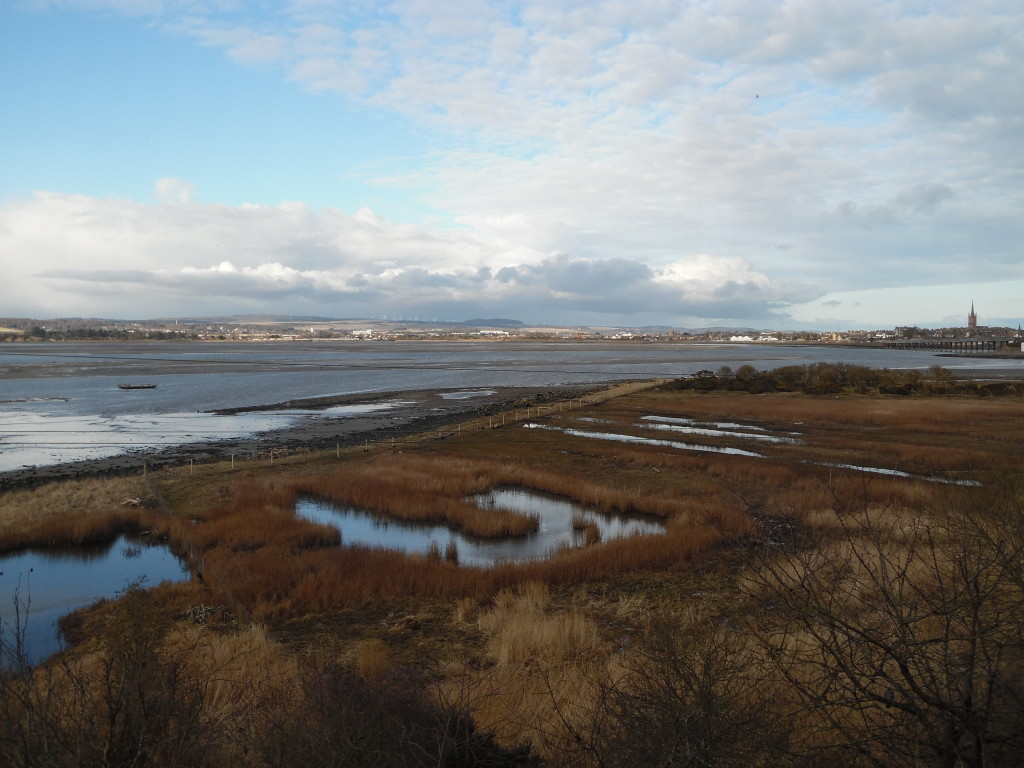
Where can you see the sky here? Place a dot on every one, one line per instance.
(802, 164)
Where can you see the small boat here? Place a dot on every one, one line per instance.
(137, 386)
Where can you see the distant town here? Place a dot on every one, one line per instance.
(970, 337)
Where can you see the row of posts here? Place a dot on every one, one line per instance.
(492, 421)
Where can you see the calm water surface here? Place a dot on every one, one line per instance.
(48, 584)
(555, 529)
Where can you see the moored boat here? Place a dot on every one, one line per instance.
(137, 386)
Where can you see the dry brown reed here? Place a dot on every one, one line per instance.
(275, 582)
(435, 489)
(80, 511)
(540, 682)
(259, 513)
(372, 659)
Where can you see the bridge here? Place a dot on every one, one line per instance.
(967, 344)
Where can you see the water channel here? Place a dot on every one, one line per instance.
(554, 532)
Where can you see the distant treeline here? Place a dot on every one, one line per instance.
(38, 333)
(842, 378)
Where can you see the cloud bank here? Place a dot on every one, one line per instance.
(641, 160)
(136, 259)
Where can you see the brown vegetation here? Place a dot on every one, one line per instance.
(796, 613)
(81, 511)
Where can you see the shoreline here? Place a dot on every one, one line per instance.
(418, 411)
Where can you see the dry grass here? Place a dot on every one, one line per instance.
(539, 682)
(372, 659)
(78, 511)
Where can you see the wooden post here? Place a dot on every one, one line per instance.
(337, 450)
(232, 461)
(191, 469)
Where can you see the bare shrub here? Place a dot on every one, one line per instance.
(902, 641)
(688, 693)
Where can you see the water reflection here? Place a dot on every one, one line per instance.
(671, 425)
(554, 531)
(466, 395)
(620, 438)
(30, 439)
(50, 583)
(704, 423)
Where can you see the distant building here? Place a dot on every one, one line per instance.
(972, 319)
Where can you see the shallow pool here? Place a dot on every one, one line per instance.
(555, 528)
(39, 586)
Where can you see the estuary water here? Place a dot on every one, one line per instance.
(61, 402)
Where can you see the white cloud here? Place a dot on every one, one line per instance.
(174, 191)
(879, 140)
(96, 256)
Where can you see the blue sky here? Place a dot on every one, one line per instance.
(771, 164)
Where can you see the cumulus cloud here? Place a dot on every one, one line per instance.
(88, 255)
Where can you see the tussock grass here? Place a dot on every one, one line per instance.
(520, 628)
(540, 682)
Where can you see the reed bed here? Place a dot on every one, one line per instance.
(435, 488)
(1002, 416)
(80, 511)
(709, 501)
(275, 582)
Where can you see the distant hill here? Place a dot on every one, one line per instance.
(493, 322)
(235, 319)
